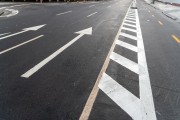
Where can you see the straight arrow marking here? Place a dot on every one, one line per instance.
(48, 59)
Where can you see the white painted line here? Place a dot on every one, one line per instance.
(92, 14)
(130, 21)
(128, 36)
(130, 17)
(144, 80)
(14, 6)
(4, 51)
(109, 6)
(121, 96)
(12, 13)
(129, 29)
(4, 34)
(91, 6)
(87, 31)
(127, 45)
(129, 25)
(64, 13)
(131, 65)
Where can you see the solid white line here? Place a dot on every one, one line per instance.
(91, 6)
(129, 25)
(92, 14)
(129, 21)
(4, 34)
(13, 34)
(4, 51)
(129, 29)
(64, 13)
(127, 45)
(45, 61)
(121, 96)
(144, 80)
(131, 65)
(128, 36)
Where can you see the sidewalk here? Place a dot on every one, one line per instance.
(169, 10)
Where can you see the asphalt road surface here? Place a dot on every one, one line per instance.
(88, 60)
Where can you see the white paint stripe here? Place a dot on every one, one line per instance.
(14, 6)
(129, 29)
(91, 6)
(92, 14)
(131, 18)
(129, 21)
(4, 34)
(125, 62)
(45, 61)
(13, 34)
(121, 96)
(144, 80)
(4, 51)
(129, 25)
(109, 6)
(64, 13)
(127, 45)
(128, 36)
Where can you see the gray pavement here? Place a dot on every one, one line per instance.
(50, 71)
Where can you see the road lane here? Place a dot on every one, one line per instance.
(55, 92)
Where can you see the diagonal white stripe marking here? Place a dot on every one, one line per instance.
(4, 51)
(129, 25)
(4, 34)
(125, 62)
(128, 36)
(122, 97)
(129, 21)
(127, 45)
(129, 29)
(130, 18)
(64, 13)
(92, 14)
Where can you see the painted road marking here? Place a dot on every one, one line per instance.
(12, 13)
(129, 29)
(127, 18)
(109, 6)
(9, 49)
(121, 96)
(92, 14)
(64, 13)
(24, 30)
(81, 33)
(153, 16)
(129, 25)
(130, 21)
(4, 34)
(176, 38)
(128, 36)
(160, 23)
(91, 6)
(125, 62)
(127, 45)
(14, 6)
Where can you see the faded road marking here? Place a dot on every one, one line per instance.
(64, 13)
(160, 23)
(176, 38)
(92, 14)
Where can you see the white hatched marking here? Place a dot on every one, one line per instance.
(127, 45)
(129, 21)
(121, 96)
(129, 29)
(131, 16)
(125, 62)
(129, 25)
(128, 36)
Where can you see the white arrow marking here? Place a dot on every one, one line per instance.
(81, 33)
(24, 30)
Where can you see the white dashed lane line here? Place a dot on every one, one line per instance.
(64, 13)
(92, 14)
